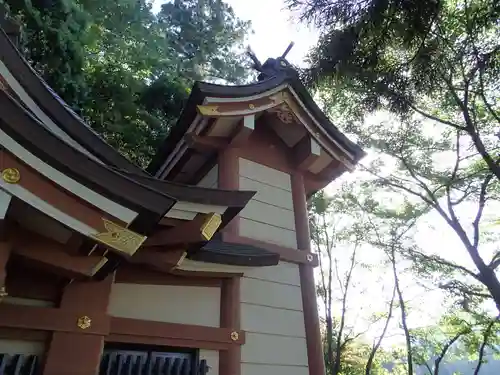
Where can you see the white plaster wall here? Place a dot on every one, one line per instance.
(212, 357)
(22, 347)
(27, 302)
(166, 303)
(272, 316)
(211, 178)
(269, 216)
(27, 347)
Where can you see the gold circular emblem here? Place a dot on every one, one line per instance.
(84, 322)
(11, 175)
(251, 106)
(234, 336)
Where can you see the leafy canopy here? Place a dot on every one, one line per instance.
(126, 70)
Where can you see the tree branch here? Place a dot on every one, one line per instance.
(478, 143)
(486, 336)
(479, 214)
(439, 260)
(447, 346)
(434, 118)
(398, 186)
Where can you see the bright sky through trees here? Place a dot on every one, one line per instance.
(273, 27)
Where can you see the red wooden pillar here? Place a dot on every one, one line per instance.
(311, 319)
(230, 310)
(79, 353)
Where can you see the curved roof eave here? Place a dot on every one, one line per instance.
(234, 200)
(197, 194)
(202, 90)
(19, 124)
(55, 107)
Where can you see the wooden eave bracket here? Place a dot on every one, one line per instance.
(286, 254)
(200, 229)
(163, 261)
(243, 131)
(208, 143)
(53, 256)
(205, 143)
(306, 152)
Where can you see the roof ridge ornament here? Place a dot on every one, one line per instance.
(272, 67)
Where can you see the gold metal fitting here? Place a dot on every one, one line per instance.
(210, 226)
(251, 106)
(309, 257)
(84, 322)
(11, 175)
(235, 336)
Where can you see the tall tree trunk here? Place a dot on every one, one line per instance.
(448, 345)
(486, 336)
(490, 280)
(402, 306)
(371, 357)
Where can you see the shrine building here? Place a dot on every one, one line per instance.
(200, 264)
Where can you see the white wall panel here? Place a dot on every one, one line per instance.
(211, 178)
(267, 193)
(267, 233)
(270, 320)
(283, 273)
(271, 349)
(271, 315)
(266, 293)
(262, 173)
(259, 369)
(212, 358)
(269, 216)
(22, 347)
(166, 303)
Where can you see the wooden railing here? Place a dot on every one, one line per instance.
(19, 364)
(151, 363)
(117, 363)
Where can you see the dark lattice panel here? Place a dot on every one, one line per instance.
(143, 363)
(18, 364)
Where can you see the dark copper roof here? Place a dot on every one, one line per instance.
(234, 200)
(25, 129)
(234, 254)
(201, 90)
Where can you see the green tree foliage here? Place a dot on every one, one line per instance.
(414, 56)
(456, 336)
(337, 233)
(347, 222)
(126, 70)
